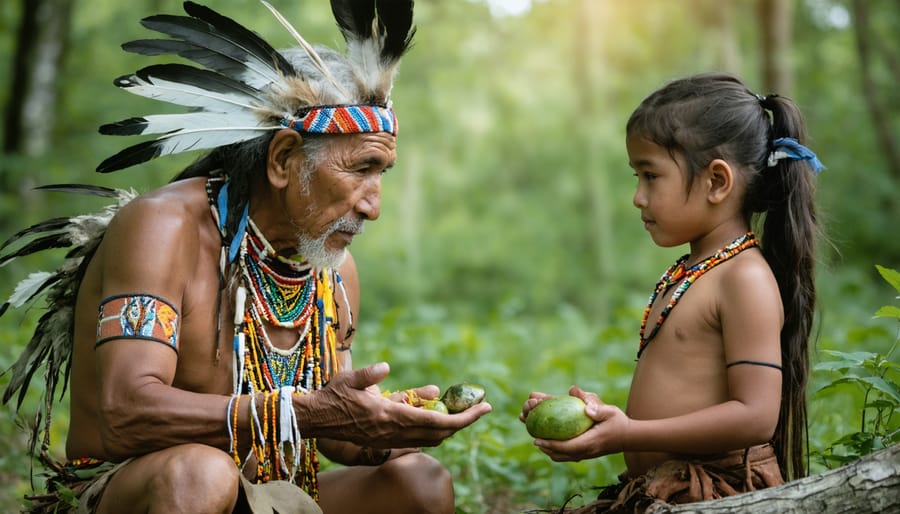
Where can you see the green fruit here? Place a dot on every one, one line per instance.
(460, 397)
(559, 417)
(435, 405)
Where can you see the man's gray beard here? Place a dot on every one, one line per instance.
(314, 251)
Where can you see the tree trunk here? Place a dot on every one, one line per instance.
(729, 58)
(880, 115)
(775, 21)
(40, 50)
(585, 68)
(870, 484)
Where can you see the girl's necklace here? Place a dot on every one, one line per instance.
(678, 272)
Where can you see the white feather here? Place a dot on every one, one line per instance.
(27, 287)
(201, 139)
(187, 95)
(161, 123)
(366, 54)
(256, 78)
(313, 55)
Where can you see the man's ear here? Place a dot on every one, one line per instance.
(284, 155)
(720, 177)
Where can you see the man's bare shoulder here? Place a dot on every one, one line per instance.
(184, 200)
(157, 237)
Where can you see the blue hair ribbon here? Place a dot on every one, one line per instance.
(790, 148)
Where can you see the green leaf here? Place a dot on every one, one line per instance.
(846, 379)
(891, 276)
(66, 495)
(833, 366)
(853, 359)
(889, 388)
(888, 311)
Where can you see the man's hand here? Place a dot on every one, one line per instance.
(351, 408)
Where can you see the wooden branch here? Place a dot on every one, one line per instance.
(870, 484)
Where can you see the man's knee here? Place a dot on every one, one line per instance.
(198, 478)
(426, 484)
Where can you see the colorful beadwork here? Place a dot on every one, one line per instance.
(289, 294)
(138, 316)
(345, 119)
(687, 276)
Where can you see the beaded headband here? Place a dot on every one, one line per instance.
(345, 119)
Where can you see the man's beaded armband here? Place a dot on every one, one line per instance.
(137, 316)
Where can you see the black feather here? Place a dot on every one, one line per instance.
(158, 47)
(205, 79)
(354, 17)
(128, 127)
(29, 361)
(44, 226)
(134, 154)
(37, 245)
(3, 308)
(223, 60)
(241, 36)
(81, 189)
(396, 19)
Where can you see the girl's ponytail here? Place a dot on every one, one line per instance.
(784, 194)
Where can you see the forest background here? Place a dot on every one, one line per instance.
(508, 252)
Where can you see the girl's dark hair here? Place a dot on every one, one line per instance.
(715, 116)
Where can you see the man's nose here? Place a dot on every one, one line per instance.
(369, 204)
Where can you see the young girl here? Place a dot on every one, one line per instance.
(717, 401)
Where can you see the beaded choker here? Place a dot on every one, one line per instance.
(678, 272)
(280, 288)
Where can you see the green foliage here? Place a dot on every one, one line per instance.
(508, 252)
(510, 354)
(878, 378)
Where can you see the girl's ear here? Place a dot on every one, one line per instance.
(720, 177)
(284, 154)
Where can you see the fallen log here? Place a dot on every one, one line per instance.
(870, 484)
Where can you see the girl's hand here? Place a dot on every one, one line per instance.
(533, 399)
(607, 436)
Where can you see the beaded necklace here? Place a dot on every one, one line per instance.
(285, 293)
(281, 288)
(687, 276)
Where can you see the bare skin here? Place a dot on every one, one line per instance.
(683, 400)
(166, 409)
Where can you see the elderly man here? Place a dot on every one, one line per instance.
(213, 317)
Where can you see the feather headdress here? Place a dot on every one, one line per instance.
(246, 88)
